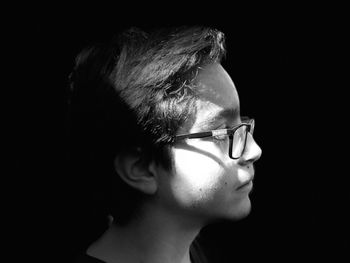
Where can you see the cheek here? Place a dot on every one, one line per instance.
(200, 174)
(203, 181)
(196, 170)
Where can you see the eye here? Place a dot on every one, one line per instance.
(220, 137)
(220, 134)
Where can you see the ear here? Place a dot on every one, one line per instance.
(136, 172)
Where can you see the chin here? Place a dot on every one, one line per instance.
(241, 210)
(234, 213)
(237, 211)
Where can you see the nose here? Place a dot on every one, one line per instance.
(252, 151)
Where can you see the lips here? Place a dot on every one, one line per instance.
(245, 184)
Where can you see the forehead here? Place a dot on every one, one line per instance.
(216, 94)
(216, 86)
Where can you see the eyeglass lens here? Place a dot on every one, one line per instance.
(238, 141)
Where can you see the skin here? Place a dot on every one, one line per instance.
(202, 187)
(205, 179)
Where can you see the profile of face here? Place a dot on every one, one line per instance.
(205, 182)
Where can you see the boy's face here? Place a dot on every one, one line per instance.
(205, 182)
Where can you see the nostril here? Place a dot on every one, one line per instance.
(244, 162)
(252, 154)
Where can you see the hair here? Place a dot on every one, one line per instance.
(134, 91)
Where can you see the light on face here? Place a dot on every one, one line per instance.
(197, 166)
(243, 175)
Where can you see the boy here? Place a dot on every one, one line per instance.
(156, 123)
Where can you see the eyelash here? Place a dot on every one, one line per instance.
(220, 137)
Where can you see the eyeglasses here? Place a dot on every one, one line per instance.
(237, 136)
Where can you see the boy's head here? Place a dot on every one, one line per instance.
(131, 97)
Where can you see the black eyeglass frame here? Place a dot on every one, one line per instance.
(249, 123)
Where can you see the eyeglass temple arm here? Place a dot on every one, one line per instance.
(193, 135)
(207, 134)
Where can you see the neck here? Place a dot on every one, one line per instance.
(151, 238)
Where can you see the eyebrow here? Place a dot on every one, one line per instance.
(226, 114)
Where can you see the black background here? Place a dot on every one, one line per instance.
(288, 64)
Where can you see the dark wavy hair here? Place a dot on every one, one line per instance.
(134, 91)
